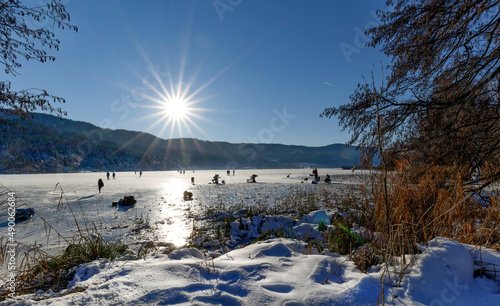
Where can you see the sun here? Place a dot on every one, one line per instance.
(176, 108)
(175, 102)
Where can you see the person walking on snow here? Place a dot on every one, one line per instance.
(100, 184)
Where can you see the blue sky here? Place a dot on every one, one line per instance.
(255, 70)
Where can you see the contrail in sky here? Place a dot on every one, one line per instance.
(329, 84)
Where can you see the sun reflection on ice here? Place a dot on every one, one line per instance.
(173, 225)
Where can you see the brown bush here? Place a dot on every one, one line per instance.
(426, 202)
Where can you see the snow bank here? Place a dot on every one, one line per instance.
(444, 274)
(275, 272)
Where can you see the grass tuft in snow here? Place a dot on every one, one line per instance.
(343, 242)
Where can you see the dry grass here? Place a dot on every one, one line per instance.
(435, 203)
(37, 269)
(485, 233)
(365, 257)
(419, 204)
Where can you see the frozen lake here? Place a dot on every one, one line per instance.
(56, 198)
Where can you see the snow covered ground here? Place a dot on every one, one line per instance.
(273, 272)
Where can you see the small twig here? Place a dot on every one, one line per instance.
(339, 267)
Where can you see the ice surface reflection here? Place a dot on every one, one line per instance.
(160, 215)
(170, 212)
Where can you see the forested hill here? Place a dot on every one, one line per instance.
(52, 144)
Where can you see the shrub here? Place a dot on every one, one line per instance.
(364, 258)
(342, 242)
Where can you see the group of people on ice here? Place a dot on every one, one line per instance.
(107, 175)
(100, 183)
(317, 177)
(216, 178)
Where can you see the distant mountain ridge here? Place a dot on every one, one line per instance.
(52, 144)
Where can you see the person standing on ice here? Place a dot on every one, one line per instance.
(114, 175)
(315, 172)
(100, 184)
(107, 175)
